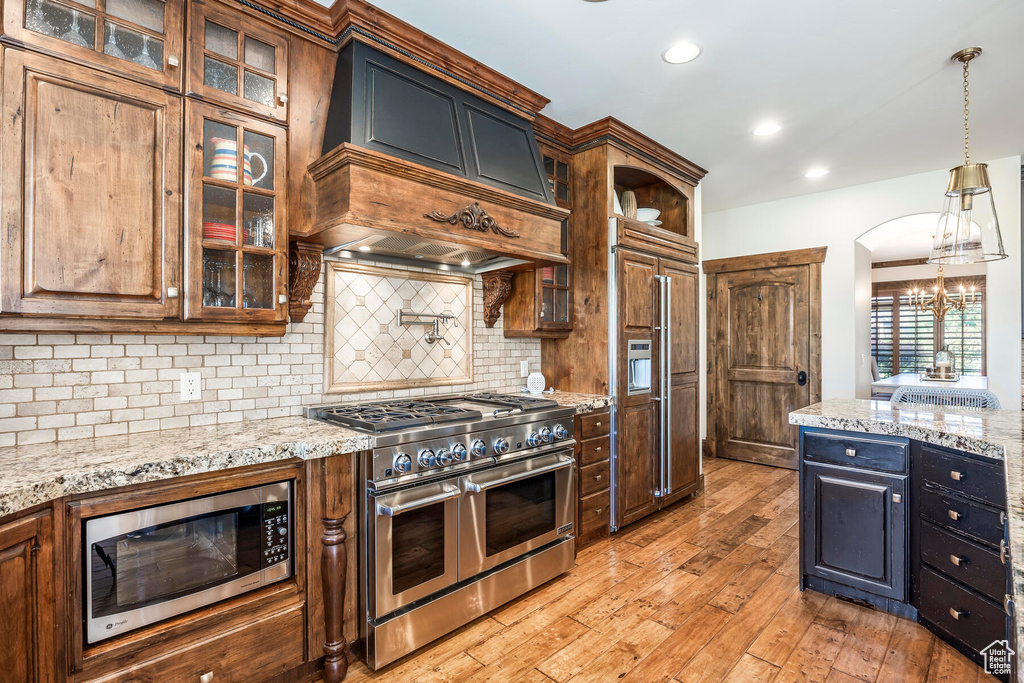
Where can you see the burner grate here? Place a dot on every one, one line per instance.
(525, 403)
(391, 415)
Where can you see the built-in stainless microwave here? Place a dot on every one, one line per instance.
(150, 564)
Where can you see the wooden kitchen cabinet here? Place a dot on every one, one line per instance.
(235, 233)
(593, 451)
(541, 302)
(237, 61)
(91, 193)
(140, 39)
(27, 600)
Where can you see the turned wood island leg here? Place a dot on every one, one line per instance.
(333, 563)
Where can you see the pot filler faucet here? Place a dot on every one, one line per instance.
(433, 335)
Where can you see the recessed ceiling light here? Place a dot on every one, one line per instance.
(767, 129)
(364, 248)
(419, 255)
(466, 263)
(816, 172)
(683, 52)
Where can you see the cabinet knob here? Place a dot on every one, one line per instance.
(597, 448)
(282, 98)
(957, 613)
(172, 60)
(954, 515)
(852, 452)
(957, 476)
(897, 497)
(172, 292)
(282, 298)
(957, 561)
(597, 424)
(206, 677)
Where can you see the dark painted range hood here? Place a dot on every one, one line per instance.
(419, 170)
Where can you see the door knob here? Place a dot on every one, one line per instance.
(801, 378)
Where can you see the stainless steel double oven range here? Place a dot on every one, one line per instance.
(468, 503)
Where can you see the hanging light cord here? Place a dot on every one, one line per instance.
(967, 115)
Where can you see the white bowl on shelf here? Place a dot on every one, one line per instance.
(647, 214)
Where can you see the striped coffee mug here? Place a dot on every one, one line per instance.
(225, 162)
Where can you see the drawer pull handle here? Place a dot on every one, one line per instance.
(598, 476)
(957, 476)
(1002, 518)
(597, 424)
(954, 515)
(598, 511)
(852, 452)
(597, 448)
(206, 677)
(1002, 551)
(957, 561)
(957, 613)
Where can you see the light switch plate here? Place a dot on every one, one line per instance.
(191, 386)
(524, 368)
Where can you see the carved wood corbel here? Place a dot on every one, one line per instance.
(304, 261)
(497, 288)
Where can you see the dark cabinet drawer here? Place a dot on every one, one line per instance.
(595, 450)
(964, 475)
(969, 563)
(594, 424)
(594, 513)
(964, 614)
(888, 454)
(963, 515)
(594, 478)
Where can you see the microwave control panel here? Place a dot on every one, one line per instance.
(275, 533)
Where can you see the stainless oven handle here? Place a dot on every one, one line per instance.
(477, 488)
(395, 510)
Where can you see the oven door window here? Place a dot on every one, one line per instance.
(520, 511)
(418, 547)
(168, 561)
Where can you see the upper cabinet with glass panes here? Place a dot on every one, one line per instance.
(141, 39)
(237, 61)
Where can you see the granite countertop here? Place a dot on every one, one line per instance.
(997, 434)
(38, 473)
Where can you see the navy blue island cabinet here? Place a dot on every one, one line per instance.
(910, 528)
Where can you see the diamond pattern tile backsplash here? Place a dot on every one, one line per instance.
(368, 350)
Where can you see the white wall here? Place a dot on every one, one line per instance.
(861, 320)
(836, 219)
(926, 272)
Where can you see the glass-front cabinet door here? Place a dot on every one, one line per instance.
(138, 38)
(237, 61)
(237, 256)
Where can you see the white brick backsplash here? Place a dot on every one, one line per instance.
(59, 386)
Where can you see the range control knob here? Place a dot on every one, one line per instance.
(501, 445)
(444, 457)
(282, 530)
(478, 449)
(459, 451)
(403, 463)
(534, 439)
(545, 435)
(561, 432)
(426, 458)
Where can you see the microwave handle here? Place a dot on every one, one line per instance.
(477, 488)
(395, 510)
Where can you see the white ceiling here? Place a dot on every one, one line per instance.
(903, 238)
(863, 87)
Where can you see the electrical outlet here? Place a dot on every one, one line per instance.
(191, 386)
(524, 368)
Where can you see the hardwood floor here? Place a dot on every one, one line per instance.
(703, 591)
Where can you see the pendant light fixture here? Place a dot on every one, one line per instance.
(968, 229)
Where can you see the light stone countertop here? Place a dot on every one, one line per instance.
(34, 474)
(995, 434)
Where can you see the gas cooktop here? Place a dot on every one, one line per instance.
(385, 416)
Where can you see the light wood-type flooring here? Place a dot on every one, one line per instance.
(703, 591)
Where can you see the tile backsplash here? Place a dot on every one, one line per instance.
(64, 386)
(368, 348)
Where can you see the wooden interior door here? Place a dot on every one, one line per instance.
(91, 193)
(765, 320)
(637, 438)
(683, 458)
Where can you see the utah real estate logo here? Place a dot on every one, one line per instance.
(997, 658)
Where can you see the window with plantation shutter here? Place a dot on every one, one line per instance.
(905, 340)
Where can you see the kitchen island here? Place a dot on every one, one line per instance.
(997, 436)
